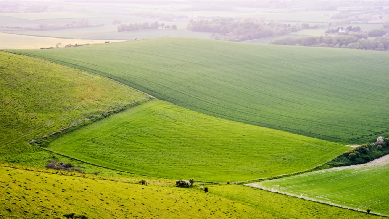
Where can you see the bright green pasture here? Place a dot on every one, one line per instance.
(282, 206)
(331, 94)
(363, 188)
(164, 140)
(39, 98)
(32, 194)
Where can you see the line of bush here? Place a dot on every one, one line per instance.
(360, 155)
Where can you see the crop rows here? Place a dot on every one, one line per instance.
(324, 93)
(360, 188)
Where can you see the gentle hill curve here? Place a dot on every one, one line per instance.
(37, 194)
(164, 140)
(39, 98)
(359, 186)
(331, 94)
(33, 194)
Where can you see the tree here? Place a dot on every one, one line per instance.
(174, 27)
(162, 25)
(377, 33)
(167, 27)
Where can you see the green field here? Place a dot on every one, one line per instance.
(358, 187)
(282, 206)
(32, 194)
(161, 139)
(39, 98)
(331, 94)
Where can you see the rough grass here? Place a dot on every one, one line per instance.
(31, 194)
(39, 98)
(282, 206)
(331, 94)
(359, 187)
(161, 139)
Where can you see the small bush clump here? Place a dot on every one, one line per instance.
(184, 183)
(62, 166)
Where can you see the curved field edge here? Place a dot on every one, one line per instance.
(317, 92)
(359, 187)
(31, 194)
(48, 194)
(283, 206)
(40, 98)
(164, 140)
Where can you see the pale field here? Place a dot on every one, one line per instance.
(46, 15)
(14, 41)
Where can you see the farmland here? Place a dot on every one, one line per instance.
(160, 139)
(39, 98)
(329, 94)
(31, 194)
(13, 41)
(360, 187)
(282, 206)
(48, 194)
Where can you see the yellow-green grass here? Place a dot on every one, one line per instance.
(14, 41)
(160, 139)
(31, 194)
(34, 193)
(282, 206)
(327, 93)
(39, 98)
(359, 187)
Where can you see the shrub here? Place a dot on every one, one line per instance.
(183, 184)
(353, 156)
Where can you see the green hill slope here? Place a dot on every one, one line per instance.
(52, 194)
(357, 187)
(31, 194)
(331, 94)
(39, 98)
(161, 139)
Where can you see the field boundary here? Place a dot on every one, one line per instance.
(122, 171)
(316, 200)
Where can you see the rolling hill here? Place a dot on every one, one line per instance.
(34, 193)
(360, 187)
(39, 98)
(331, 94)
(164, 140)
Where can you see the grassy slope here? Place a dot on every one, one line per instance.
(161, 139)
(282, 206)
(356, 187)
(38, 98)
(332, 94)
(32, 194)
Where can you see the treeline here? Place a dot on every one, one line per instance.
(144, 26)
(75, 24)
(241, 30)
(360, 155)
(350, 42)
